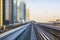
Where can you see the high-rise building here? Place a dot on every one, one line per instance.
(8, 12)
(7, 9)
(13, 11)
(3, 22)
(1, 5)
(3, 13)
(18, 13)
(27, 15)
(22, 11)
(7, 16)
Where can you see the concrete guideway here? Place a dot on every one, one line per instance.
(33, 35)
(12, 34)
(25, 35)
(30, 31)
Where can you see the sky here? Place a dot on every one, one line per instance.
(43, 10)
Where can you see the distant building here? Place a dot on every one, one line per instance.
(27, 15)
(22, 11)
(58, 20)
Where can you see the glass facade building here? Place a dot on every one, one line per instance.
(3, 12)
(13, 11)
(22, 11)
(7, 12)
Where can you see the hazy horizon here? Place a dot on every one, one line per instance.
(43, 10)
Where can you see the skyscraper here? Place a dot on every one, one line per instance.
(4, 22)
(22, 11)
(8, 12)
(18, 13)
(2, 12)
(7, 16)
(27, 15)
(13, 11)
(1, 4)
